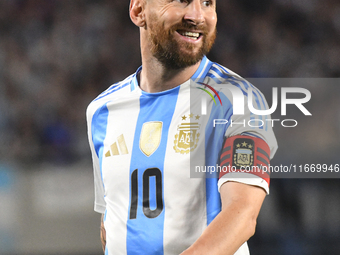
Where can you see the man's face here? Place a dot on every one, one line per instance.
(180, 32)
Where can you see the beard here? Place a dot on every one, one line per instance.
(169, 52)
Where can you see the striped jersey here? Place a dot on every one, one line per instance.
(156, 157)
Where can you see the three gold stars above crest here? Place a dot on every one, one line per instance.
(244, 145)
(191, 116)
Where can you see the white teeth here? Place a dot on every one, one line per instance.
(191, 35)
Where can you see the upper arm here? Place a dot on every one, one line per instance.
(245, 159)
(103, 233)
(99, 202)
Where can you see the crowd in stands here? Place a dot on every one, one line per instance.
(56, 56)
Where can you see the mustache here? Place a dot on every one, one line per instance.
(189, 26)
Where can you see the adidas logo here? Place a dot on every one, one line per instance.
(118, 147)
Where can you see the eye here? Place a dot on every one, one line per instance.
(207, 3)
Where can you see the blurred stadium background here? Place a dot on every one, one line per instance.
(56, 56)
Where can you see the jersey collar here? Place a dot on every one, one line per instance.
(198, 76)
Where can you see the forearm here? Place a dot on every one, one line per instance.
(233, 226)
(229, 230)
(103, 233)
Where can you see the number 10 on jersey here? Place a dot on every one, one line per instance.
(148, 175)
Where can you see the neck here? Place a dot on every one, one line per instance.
(156, 78)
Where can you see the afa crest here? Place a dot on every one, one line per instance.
(243, 152)
(187, 136)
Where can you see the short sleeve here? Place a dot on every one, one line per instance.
(247, 164)
(99, 192)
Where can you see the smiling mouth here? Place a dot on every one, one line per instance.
(191, 35)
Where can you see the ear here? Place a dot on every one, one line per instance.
(137, 12)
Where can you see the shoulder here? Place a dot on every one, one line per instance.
(115, 89)
(230, 83)
(222, 75)
(112, 93)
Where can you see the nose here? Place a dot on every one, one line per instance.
(194, 13)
